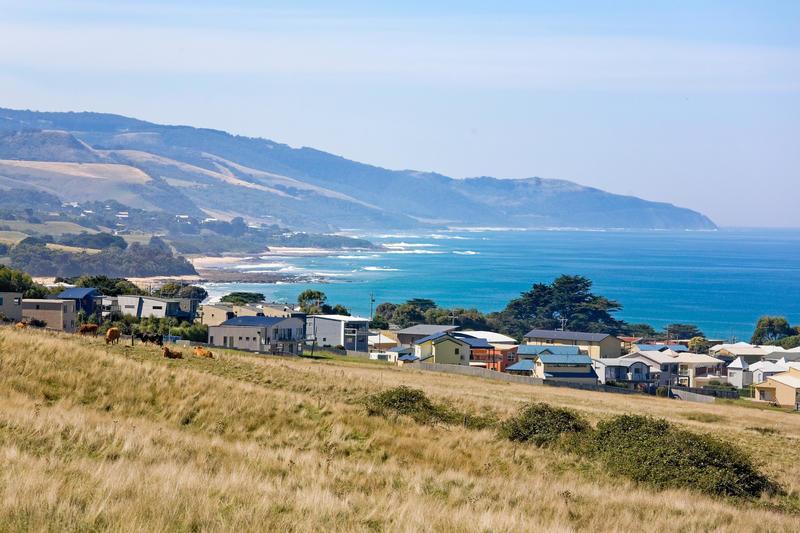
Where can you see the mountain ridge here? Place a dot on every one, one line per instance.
(208, 170)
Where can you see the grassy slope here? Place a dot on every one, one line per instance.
(119, 438)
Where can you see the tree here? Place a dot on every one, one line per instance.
(770, 329)
(698, 345)
(337, 309)
(406, 315)
(378, 322)
(385, 310)
(182, 290)
(568, 301)
(242, 298)
(640, 330)
(683, 331)
(423, 304)
(312, 302)
(12, 280)
(106, 285)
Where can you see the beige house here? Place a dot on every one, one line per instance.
(782, 389)
(215, 314)
(595, 345)
(56, 314)
(442, 348)
(11, 306)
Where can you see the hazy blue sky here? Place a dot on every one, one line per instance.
(691, 102)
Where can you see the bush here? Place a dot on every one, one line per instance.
(415, 404)
(653, 451)
(662, 392)
(542, 424)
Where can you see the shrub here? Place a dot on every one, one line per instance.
(415, 404)
(662, 392)
(653, 451)
(542, 424)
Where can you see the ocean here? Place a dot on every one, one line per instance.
(721, 280)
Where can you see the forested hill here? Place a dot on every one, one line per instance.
(181, 169)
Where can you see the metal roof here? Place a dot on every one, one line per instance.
(257, 321)
(660, 347)
(78, 293)
(427, 329)
(408, 358)
(565, 335)
(555, 359)
(526, 365)
(556, 349)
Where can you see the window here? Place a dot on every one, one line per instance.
(457, 351)
(240, 338)
(211, 340)
(37, 306)
(762, 395)
(1, 300)
(159, 307)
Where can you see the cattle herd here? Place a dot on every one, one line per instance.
(113, 335)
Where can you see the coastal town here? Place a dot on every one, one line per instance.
(693, 369)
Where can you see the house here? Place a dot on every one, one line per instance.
(679, 348)
(625, 370)
(393, 354)
(595, 345)
(380, 342)
(571, 368)
(216, 313)
(761, 370)
(407, 359)
(443, 348)
(349, 332)
(523, 367)
(152, 306)
(10, 306)
(695, 370)
(277, 335)
(663, 365)
(409, 336)
(782, 389)
(739, 374)
(628, 343)
(501, 352)
(87, 299)
(530, 351)
(56, 314)
(749, 352)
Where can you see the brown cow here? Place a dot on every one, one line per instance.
(172, 354)
(87, 329)
(112, 336)
(20, 325)
(199, 351)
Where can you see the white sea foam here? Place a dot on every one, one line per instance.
(429, 252)
(261, 266)
(465, 252)
(357, 256)
(450, 237)
(380, 269)
(409, 245)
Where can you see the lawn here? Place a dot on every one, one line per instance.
(118, 438)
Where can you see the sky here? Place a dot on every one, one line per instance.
(695, 103)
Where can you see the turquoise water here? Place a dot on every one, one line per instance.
(722, 281)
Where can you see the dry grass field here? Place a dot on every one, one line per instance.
(118, 438)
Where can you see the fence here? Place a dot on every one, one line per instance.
(717, 393)
(475, 372)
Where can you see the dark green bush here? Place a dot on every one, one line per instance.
(415, 404)
(662, 392)
(653, 451)
(542, 424)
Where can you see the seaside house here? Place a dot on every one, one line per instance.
(498, 353)
(378, 342)
(595, 345)
(348, 332)
(87, 299)
(215, 314)
(392, 354)
(523, 367)
(739, 374)
(571, 368)
(530, 351)
(782, 389)
(56, 314)
(622, 370)
(663, 365)
(678, 348)
(443, 348)
(695, 370)
(408, 336)
(761, 370)
(10, 306)
(152, 306)
(749, 352)
(628, 343)
(275, 335)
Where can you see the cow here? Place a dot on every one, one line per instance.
(146, 338)
(112, 336)
(87, 329)
(202, 352)
(172, 354)
(21, 325)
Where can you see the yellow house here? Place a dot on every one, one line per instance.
(782, 389)
(595, 345)
(443, 349)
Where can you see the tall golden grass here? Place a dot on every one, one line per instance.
(118, 438)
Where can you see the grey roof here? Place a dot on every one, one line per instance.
(565, 335)
(426, 329)
(258, 321)
(618, 361)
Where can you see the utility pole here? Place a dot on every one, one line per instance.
(371, 303)
(452, 318)
(563, 323)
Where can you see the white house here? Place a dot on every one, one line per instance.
(739, 374)
(626, 370)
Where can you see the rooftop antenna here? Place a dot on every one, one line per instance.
(452, 316)
(563, 323)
